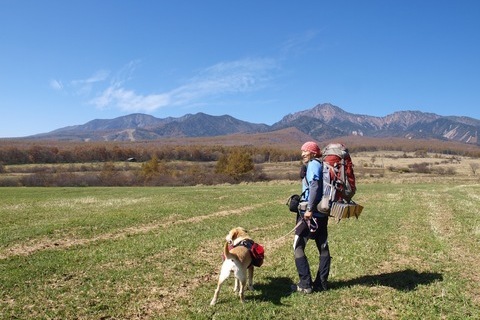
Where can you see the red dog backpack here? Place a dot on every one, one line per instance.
(258, 254)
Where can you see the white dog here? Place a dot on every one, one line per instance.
(237, 259)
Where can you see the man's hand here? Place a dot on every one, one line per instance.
(308, 215)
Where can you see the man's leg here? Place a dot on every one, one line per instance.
(301, 261)
(321, 280)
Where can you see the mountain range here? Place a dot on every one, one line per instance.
(322, 122)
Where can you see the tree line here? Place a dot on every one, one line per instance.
(33, 152)
(109, 163)
(36, 154)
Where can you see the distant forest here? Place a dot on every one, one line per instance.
(38, 152)
(174, 163)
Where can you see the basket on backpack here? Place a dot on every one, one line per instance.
(341, 210)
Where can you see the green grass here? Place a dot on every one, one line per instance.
(152, 253)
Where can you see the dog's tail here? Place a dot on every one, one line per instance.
(228, 254)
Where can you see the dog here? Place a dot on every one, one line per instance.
(239, 260)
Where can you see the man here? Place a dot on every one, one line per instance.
(311, 224)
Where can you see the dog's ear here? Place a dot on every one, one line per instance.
(232, 234)
(243, 229)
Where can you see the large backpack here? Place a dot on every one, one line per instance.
(336, 157)
(338, 180)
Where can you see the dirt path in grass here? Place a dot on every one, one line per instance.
(30, 247)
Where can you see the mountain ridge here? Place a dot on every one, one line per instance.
(322, 122)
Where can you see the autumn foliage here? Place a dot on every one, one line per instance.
(236, 164)
(160, 163)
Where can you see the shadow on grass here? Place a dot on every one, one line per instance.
(273, 290)
(406, 280)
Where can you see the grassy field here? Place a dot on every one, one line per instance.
(153, 253)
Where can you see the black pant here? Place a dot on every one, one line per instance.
(302, 235)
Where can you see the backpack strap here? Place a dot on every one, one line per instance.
(247, 243)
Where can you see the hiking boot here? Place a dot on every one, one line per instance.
(323, 286)
(296, 288)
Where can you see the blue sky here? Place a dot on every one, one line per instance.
(65, 63)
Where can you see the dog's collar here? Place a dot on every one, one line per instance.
(243, 242)
(237, 241)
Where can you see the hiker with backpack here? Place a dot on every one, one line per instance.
(311, 224)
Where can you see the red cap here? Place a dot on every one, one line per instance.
(312, 147)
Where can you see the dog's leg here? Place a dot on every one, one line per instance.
(215, 295)
(224, 274)
(241, 278)
(243, 284)
(250, 278)
(237, 285)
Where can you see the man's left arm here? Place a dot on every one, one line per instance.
(313, 191)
